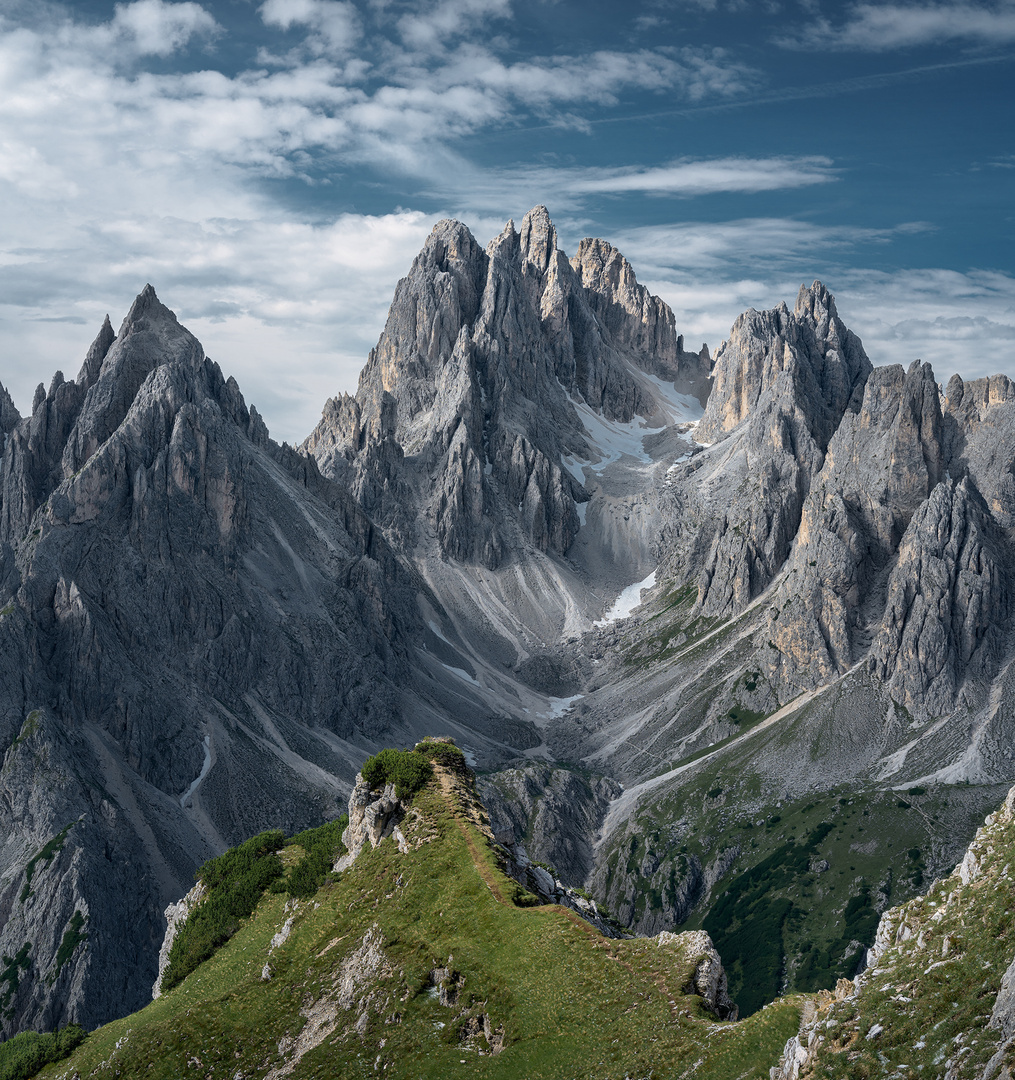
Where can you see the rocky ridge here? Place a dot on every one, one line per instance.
(377, 813)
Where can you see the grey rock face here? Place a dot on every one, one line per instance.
(781, 385)
(555, 811)
(881, 464)
(372, 818)
(806, 355)
(948, 600)
(638, 322)
(9, 415)
(176, 915)
(466, 405)
(200, 637)
(1002, 1017)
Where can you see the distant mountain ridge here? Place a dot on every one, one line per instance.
(203, 633)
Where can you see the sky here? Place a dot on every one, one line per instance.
(272, 167)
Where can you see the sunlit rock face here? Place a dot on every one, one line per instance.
(467, 404)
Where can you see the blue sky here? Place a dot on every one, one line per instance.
(272, 167)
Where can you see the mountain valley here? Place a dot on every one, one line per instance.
(726, 635)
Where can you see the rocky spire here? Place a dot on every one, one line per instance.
(9, 414)
(807, 354)
(96, 354)
(150, 336)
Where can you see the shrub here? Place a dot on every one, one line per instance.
(322, 845)
(24, 1055)
(408, 770)
(235, 882)
(444, 753)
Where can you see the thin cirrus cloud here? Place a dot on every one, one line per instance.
(881, 27)
(707, 177)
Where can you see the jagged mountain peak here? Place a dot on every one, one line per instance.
(816, 301)
(808, 356)
(96, 354)
(9, 415)
(538, 238)
(487, 357)
(450, 243)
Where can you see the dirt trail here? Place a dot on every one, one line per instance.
(451, 790)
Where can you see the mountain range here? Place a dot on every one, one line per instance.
(716, 631)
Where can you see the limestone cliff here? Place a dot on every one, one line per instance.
(467, 404)
(198, 632)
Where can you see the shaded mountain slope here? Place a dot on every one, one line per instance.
(199, 635)
(937, 997)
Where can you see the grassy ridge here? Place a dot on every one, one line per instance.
(564, 1000)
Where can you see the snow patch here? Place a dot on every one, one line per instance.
(628, 600)
(437, 631)
(575, 466)
(681, 408)
(583, 509)
(462, 674)
(559, 706)
(188, 795)
(613, 439)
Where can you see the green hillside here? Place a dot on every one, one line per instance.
(431, 964)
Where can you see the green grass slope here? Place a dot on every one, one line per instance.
(929, 1005)
(423, 964)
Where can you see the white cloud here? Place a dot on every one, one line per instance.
(447, 20)
(879, 27)
(157, 28)
(335, 24)
(700, 177)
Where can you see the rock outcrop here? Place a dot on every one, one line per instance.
(373, 817)
(948, 600)
(176, 915)
(709, 978)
